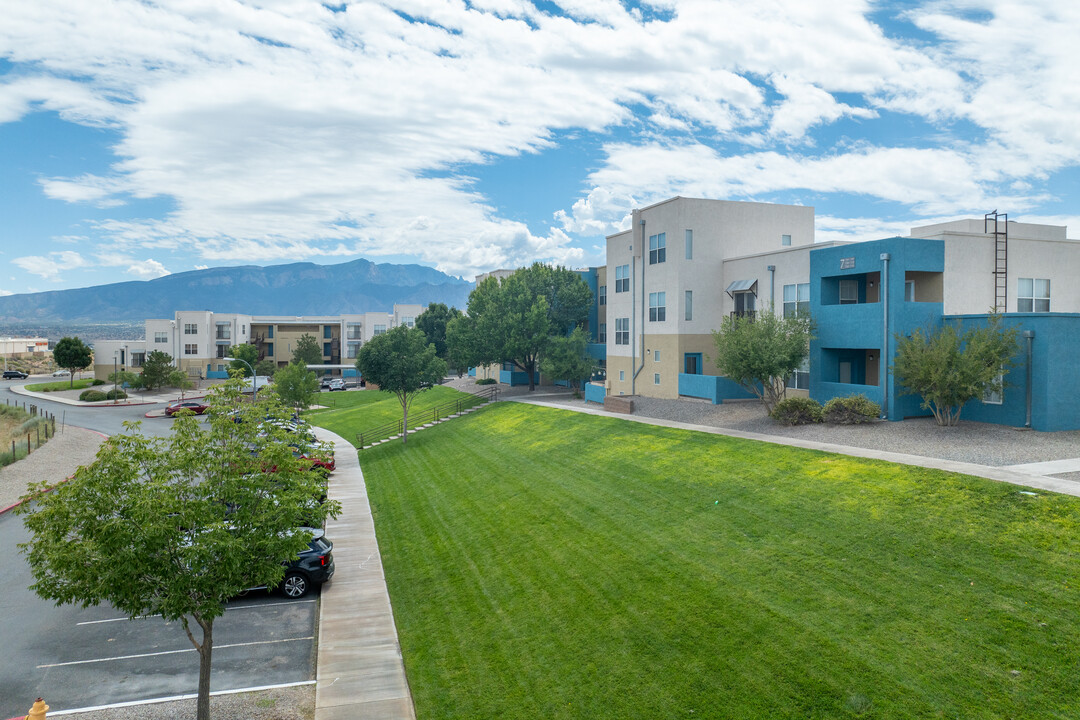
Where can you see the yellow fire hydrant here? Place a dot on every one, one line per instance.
(38, 711)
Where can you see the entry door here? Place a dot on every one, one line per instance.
(692, 363)
(845, 371)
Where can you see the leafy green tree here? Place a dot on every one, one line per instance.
(402, 362)
(156, 369)
(295, 385)
(176, 526)
(567, 358)
(266, 366)
(308, 351)
(73, 355)
(178, 379)
(760, 352)
(246, 352)
(516, 319)
(948, 367)
(128, 377)
(433, 322)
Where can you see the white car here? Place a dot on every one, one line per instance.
(61, 373)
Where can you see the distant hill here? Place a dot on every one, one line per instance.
(295, 289)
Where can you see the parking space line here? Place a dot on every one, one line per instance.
(228, 609)
(172, 652)
(173, 698)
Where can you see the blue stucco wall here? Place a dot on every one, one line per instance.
(590, 278)
(595, 393)
(517, 377)
(711, 387)
(217, 375)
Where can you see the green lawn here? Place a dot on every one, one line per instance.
(546, 564)
(64, 384)
(361, 411)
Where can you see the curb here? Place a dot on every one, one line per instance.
(21, 390)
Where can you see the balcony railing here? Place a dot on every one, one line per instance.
(751, 314)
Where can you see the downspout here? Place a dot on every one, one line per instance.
(633, 377)
(885, 257)
(633, 318)
(772, 288)
(1028, 335)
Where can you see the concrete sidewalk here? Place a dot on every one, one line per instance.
(1028, 476)
(360, 669)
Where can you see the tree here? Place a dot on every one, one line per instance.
(516, 319)
(567, 358)
(156, 369)
(73, 355)
(247, 352)
(178, 379)
(266, 366)
(177, 526)
(759, 352)
(433, 322)
(308, 351)
(126, 378)
(948, 367)
(402, 362)
(295, 385)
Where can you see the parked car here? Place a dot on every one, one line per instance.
(62, 373)
(196, 406)
(15, 375)
(314, 566)
(324, 384)
(337, 385)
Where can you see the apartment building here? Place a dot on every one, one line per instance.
(685, 264)
(198, 341)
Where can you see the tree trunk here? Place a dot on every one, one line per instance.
(404, 420)
(202, 708)
(530, 368)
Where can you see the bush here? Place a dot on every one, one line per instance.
(116, 394)
(797, 411)
(851, 410)
(486, 381)
(92, 396)
(98, 382)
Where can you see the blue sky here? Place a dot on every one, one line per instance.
(139, 139)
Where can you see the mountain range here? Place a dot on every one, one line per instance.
(293, 289)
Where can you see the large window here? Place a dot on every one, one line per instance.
(352, 349)
(408, 321)
(602, 335)
(689, 244)
(689, 305)
(622, 331)
(224, 332)
(622, 278)
(160, 337)
(849, 292)
(657, 307)
(191, 349)
(657, 248)
(800, 379)
(191, 329)
(269, 348)
(354, 332)
(326, 349)
(1033, 295)
(379, 329)
(327, 332)
(601, 295)
(222, 351)
(797, 300)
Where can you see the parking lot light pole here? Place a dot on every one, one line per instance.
(254, 377)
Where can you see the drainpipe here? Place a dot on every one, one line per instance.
(1028, 335)
(885, 257)
(634, 373)
(772, 288)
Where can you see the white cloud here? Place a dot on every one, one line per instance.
(50, 267)
(147, 269)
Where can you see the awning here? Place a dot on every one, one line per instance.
(742, 286)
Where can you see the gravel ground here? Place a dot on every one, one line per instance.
(292, 703)
(55, 460)
(980, 443)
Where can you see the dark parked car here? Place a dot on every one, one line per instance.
(315, 566)
(194, 406)
(337, 385)
(15, 375)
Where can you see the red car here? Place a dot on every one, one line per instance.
(196, 407)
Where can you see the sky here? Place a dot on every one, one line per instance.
(139, 139)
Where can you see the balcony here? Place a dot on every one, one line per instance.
(750, 314)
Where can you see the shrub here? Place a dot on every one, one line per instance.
(851, 410)
(92, 396)
(797, 411)
(116, 394)
(486, 381)
(98, 382)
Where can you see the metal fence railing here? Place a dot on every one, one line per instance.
(425, 417)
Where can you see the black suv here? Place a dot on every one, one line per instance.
(15, 374)
(314, 566)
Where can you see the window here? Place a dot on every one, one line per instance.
(160, 337)
(380, 329)
(191, 329)
(269, 348)
(785, 240)
(270, 332)
(656, 379)
(909, 291)
(689, 244)
(993, 397)
(602, 335)
(327, 332)
(243, 329)
(354, 332)
(221, 368)
(656, 356)
(797, 300)
(849, 292)
(326, 349)
(657, 307)
(601, 295)
(622, 278)
(1033, 295)
(800, 379)
(191, 349)
(689, 305)
(352, 349)
(222, 351)
(657, 248)
(692, 363)
(622, 375)
(622, 331)
(408, 321)
(224, 332)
